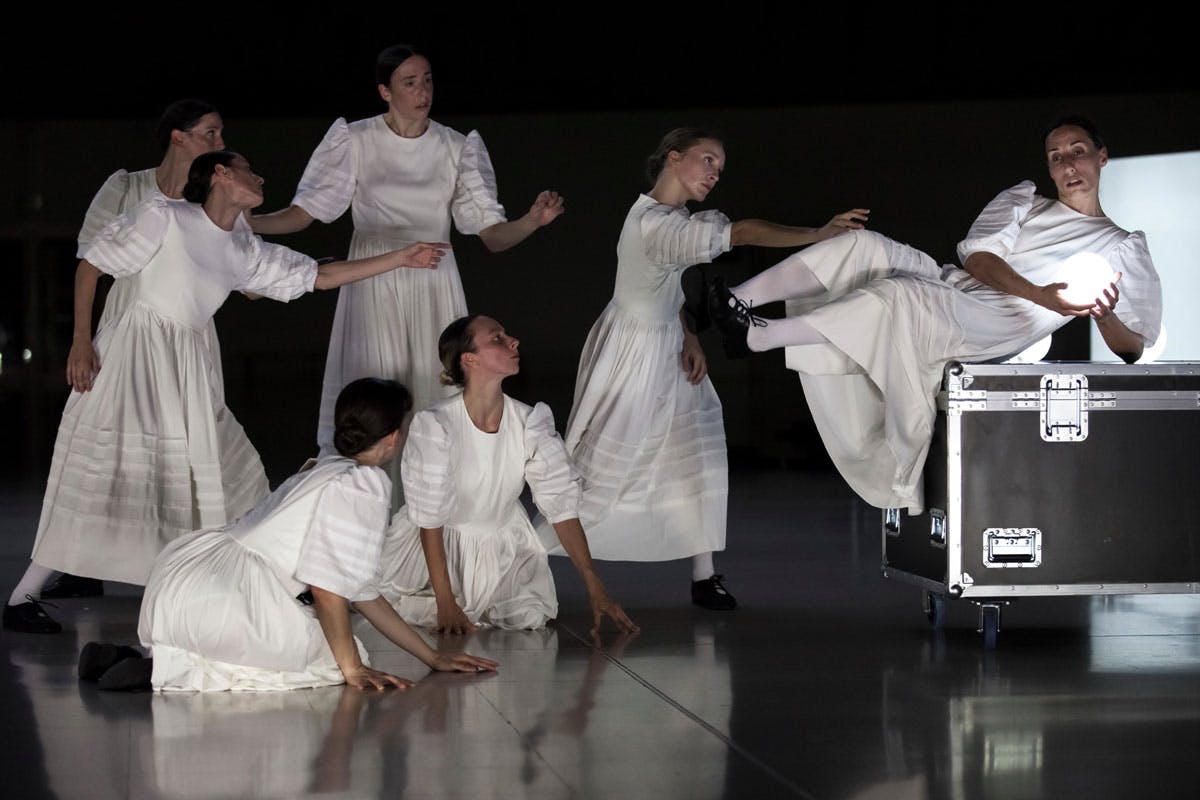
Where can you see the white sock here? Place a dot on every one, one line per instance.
(702, 567)
(31, 583)
(782, 333)
(787, 279)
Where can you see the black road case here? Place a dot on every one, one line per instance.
(1055, 479)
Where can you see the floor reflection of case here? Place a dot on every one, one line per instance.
(1055, 479)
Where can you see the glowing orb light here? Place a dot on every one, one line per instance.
(1086, 275)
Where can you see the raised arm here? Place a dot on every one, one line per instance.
(287, 220)
(769, 234)
(83, 363)
(501, 236)
(574, 542)
(1123, 342)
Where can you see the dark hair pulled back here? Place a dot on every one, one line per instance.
(457, 339)
(676, 140)
(367, 410)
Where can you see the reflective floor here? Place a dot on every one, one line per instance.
(827, 683)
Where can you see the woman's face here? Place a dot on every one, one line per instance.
(1074, 162)
(699, 167)
(410, 91)
(203, 137)
(244, 186)
(495, 350)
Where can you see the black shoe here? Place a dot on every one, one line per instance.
(733, 318)
(67, 585)
(29, 617)
(711, 594)
(127, 675)
(96, 658)
(695, 299)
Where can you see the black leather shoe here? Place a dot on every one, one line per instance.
(96, 658)
(127, 675)
(695, 299)
(29, 617)
(711, 594)
(733, 318)
(67, 586)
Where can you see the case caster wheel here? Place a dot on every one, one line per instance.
(935, 609)
(989, 624)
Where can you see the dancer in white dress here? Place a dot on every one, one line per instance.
(462, 551)
(186, 129)
(646, 431)
(876, 321)
(221, 609)
(151, 452)
(404, 177)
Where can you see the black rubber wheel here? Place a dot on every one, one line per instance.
(991, 626)
(935, 609)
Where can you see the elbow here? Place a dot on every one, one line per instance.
(492, 240)
(740, 233)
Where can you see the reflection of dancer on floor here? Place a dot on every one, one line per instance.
(221, 609)
(646, 432)
(151, 452)
(186, 129)
(462, 551)
(404, 178)
(881, 320)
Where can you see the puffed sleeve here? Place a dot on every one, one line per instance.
(126, 245)
(275, 271)
(107, 205)
(1140, 303)
(428, 467)
(997, 226)
(341, 549)
(548, 468)
(476, 203)
(675, 238)
(327, 185)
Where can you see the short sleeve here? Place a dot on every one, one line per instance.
(126, 245)
(476, 203)
(327, 185)
(427, 468)
(1139, 305)
(275, 271)
(342, 547)
(548, 469)
(675, 238)
(996, 228)
(107, 205)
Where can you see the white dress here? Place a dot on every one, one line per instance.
(151, 452)
(399, 191)
(220, 609)
(470, 482)
(649, 446)
(121, 193)
(894, 319)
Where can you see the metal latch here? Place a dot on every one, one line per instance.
(937, 527)
(1012, 547)
(891, 521)
(1064, 408)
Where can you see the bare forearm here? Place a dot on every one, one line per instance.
(339, 273)
(86, 278)
(385, 619)
(287, 220)
(994, 271)
(504, 235)
(574, 541)
(768, 234)
(434, 547)
(1120, 339)
(333, 612)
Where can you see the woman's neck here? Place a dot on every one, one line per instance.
(485, 403)
(405, 128)
(1089, 206)
(222, 212)
(668, 192)
(171, 174)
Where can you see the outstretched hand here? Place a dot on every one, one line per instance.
(1050, 296)
(853, 220)
(463, 663)
(452, 619)
(366, 678)
(422, 255)
(604, 606)
(1105, 304)
(547, 207)
(83, 365)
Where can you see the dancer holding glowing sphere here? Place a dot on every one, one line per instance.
(873, 323)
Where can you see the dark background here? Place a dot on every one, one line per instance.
(921, 116)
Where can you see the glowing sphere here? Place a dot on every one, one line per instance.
(1086, 275)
